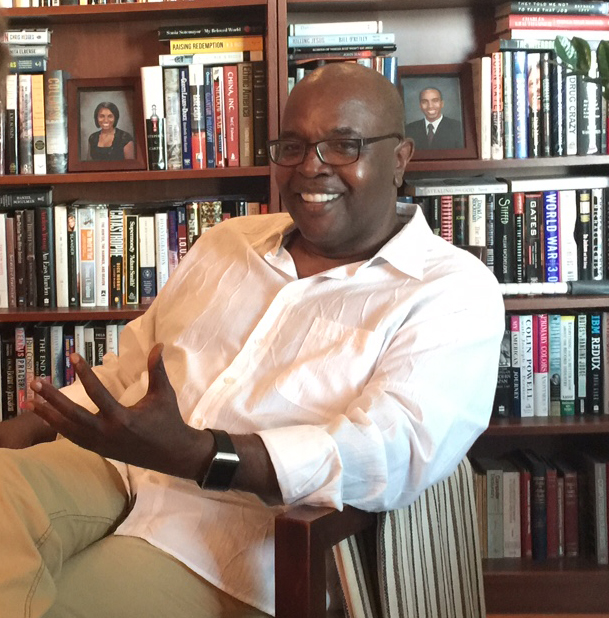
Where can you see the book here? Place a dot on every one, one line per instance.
(541, 33)
(345, 27)
(520, 90)
(11, 129)
(246, 116)
(28, 64)
(116, 220)
(167, 33)
(154, 114)
(460, 234)
(570, 507)
(476, 220)
(549, 21)
(102, 256)
(20, 257)
(10, 262)
(56, 121)
(512, 547)
(454, 186)
(502, 404)
(581, 363)
(185, 130)
(38, 125)
(497, 115)
(210, 59)
(9, 390)
(492, 471)
(571, 113)
(26, 135)
(60, 249)
(519, 247)
(594, 365)
(27, 36)
(556, 183)
(182, 232)
(31, 266)
(558, 107)
(73, 238)
(319, 51)
(260, 107)
(516, 356)
(569, 7)
(147, 259)
(567, 365)
(161, 243)
(594, 522)
(326, 40)
(219, 116)
(533, 71)
(131, 252)
(589, 112)
(554, 359)
(504, 238)
(45, 257)
(527, 376)
(533, 213)
(545, 67)
(597, 212)
(197, 116)
(551, 256)
(541, 369)
(482, 78)
(568, 251)
(26, 197)
(20, 368)
(513, 44)
(173, 116)
(216, 44)
(583, 234)
(231, 107)
(86, 247)
(4, 303)
(210, 118)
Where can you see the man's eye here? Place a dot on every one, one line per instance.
(290, 148)
(344, 146)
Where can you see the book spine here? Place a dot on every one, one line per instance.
(28, 36)
(571, 113)
(516, 359)
(553, 8)
(68, 369)
(561, 515)
(147, 259)
(534, 103)
(112, 338)
(504, 238)
(173, 124)
(594, 374)
(167, 33)
(583, 235)
(597, 212)
(73, 257)
(89, 343)
(193, 222)
(215, 45)
(554, 357)
(31, 267)
(589, 112)
(546, 107)
(345, 27)
(494, 505)
(38, 125)
(11, 106)
(551, 257)
(520, 88)
(20, 257)
(533, 250)
(26, 198)
(231, 106)
(502, 405)
(45, 246)
(476, 222)
(42, 352)
(197, 116)
(558, 107)
(56, 121)
(132, 292)
(31, 65)
(567, 365)
(60, 249)
(3, 263)
(511, 514)
(26, 135)
(541, 379)
(260, 106)
(86, 245)
(219, 116)
(172, 239)
(182, 232)
(568, 249)
(508, 105)
(11, 262)
(161, 249)
(99, 344)
(154, 113)
(527, 377)
(169, 60)
(102, 256)
(555, 22)
(551, 512)
(519, 247)
(210, 118)
(185, 119)
(20, 368)
(497, 115)
(571, 515)
(246, 119)
(581, 361)
(116, 219)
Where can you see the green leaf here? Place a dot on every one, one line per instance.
(566, 51)
(602, 54)
(584, 56)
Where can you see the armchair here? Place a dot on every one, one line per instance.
(422, 561)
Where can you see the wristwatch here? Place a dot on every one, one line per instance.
(221, 471)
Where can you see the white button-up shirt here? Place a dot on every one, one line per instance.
(367, 383)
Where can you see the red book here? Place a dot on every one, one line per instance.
(551, 509)
(446, 218)
(219, 114)
(526, 537)
(552, 22)
(570, 508)
(231, 107)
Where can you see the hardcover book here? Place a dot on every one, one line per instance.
(116, 223)
(246, 114)
(154, 113)
(86, 245)
(173, 123)
(45, 257)
(185, 118)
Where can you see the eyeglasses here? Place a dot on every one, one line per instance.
(340, 151)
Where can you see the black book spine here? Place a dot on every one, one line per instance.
(259, 92)
(502, 405)
(99, 344)
(490, 231)
(117, 269)
(504, 237)
(20, 257)
(557, 105)
(583, 235)
(45, 256)
(533, 218)
(73, 265)
(131, 254)
(11, 157)
(460, 220)
(546, 106)
(519, 248)
(534, 96)
(9, 390)
(26, 198)
(594, 388)
(156, 143)
(42, 352)
(185, 118)
(31, 286)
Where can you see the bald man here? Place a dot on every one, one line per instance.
(339, 353)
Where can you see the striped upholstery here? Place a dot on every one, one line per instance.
(430, 562)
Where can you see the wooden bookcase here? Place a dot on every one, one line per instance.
(117, 39)
(511, 585)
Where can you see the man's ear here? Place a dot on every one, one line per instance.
(404, 152)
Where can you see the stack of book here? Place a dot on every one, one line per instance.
(536, 108)
(210, 97)
(364, 42)
(531, 505)
(29, 49)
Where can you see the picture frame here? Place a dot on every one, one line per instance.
(446, 90)
(88, 150)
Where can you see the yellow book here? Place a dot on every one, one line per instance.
(215, 45)
(38, 127)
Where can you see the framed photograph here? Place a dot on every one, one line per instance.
(439, 106)
(105, 125)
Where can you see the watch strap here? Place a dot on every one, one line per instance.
(223, 466)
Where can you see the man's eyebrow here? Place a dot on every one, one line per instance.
(333, 134)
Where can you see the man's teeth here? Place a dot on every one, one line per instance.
(319, 197)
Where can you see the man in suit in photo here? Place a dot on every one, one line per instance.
(435, 131)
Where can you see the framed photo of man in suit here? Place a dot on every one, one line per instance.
(439, 106)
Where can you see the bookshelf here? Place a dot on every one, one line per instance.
(464, 27)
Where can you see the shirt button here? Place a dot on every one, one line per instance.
(229, 380)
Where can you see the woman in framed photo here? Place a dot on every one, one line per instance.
(109, 143)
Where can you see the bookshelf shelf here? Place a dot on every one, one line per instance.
(79, 314)
(546, 426)
(560, 302)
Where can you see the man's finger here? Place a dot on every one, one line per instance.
(61, 404)
(157, 376)
(61, 422)
(95, 389)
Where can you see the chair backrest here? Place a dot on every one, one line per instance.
(427, 560)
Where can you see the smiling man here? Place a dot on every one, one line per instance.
(338, 354)
(434, 131)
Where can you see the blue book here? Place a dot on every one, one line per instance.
(390, 69)
(185, 118)
(210, 118)
(521, 105)
(550, 237)
(554, 360)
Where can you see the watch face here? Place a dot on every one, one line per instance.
(221, 472)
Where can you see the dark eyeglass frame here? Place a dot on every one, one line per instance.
(360, 141)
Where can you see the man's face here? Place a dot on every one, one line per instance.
(340, 210)
(431, 104)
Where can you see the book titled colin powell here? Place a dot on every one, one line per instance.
(56, 121)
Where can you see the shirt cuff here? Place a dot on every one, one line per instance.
(307, 464)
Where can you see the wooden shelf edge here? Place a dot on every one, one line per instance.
(76, 314)
(560, 302)
(551, 425)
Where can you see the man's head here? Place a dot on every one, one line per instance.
(344, 209)
(431, 102)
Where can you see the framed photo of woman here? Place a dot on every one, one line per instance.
(105, 125)
(439, 108)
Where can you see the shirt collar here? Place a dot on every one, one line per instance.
(435, 123)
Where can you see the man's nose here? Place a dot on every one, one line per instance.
(312, 161)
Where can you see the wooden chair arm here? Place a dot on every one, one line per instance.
(302, 537)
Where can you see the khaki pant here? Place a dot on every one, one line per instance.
(58, 506)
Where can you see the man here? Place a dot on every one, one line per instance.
(435, 131)
(349, 354)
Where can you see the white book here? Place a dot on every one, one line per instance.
(89, 342)
(173, 113)
(454, 186)
(482, 82)
(567, 246)
(27, 36)
(567, 365)
(321, 40)
(343, 27)
(162, 249)
(61, 255)
(476, 224)
(170, 60)
(511, 511)
(527, 381)
(86, 244)
(581, 363)
(557, 183)
(79, 339)
(152, 91)
(112, 338)
(147, 259)
(3, 264)
(57, 356)
(102, 256)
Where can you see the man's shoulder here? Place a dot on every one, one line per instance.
(415, 123)
(255, 226)
(451, 122)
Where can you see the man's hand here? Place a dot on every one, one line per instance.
(150, 434)
(25, 430)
